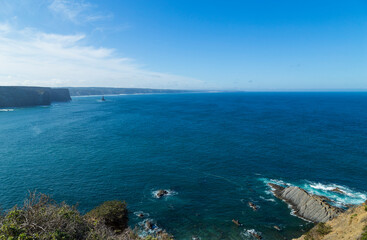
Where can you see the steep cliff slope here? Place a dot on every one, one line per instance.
(350, 225)
(31, 96)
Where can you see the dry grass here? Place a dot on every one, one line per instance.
(350, 225)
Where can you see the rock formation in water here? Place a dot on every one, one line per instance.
(31, 96)
(305, 205)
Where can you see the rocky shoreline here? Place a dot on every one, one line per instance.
(310, 207)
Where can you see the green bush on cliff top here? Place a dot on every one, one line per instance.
(323, 229)
(112, 214)
(42, 218)
(364, 234)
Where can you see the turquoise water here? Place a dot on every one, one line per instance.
(213, 151)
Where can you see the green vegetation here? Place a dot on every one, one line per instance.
(323, 229)
(308, 236)
(364, 234)
(112, 214)
(365, 208)
(42, 218)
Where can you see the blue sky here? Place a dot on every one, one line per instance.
(187, 44)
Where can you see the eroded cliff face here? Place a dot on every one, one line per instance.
(305, 205)
(31, 96)
(60, 95)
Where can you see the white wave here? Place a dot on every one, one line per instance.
(275, 181)
(348, 196)
(250, 233)
(143, 232)
(279, 182)
(293, 213)
(6, 110)
(267, 199)
(269, 190)
(329, 187)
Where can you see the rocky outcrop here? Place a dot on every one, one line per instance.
(305, 205)
(161, 193)
(31, 96)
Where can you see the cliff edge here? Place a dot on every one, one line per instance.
(31, 96)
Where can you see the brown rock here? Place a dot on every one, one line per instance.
(277, 227)
(237, 222)
(161, 193)
(338, 190)
(148, 225)
(253, 206)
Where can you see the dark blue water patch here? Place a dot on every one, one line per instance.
(215, 151)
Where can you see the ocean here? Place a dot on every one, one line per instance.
(214, 152)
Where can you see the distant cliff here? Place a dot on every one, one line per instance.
(84, 91)
(31, 96)
(60, 95)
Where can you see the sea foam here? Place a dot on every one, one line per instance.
(348, 197)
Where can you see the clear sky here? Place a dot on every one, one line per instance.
(187, 44)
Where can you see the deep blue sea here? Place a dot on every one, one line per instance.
(215, 152)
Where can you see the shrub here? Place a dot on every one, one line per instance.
(113, 214)
(323, 229)
(42, 218)
(309, 237)
(364, 234)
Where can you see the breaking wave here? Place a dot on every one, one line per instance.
(250, 234)
(340, 195)
(346, 196)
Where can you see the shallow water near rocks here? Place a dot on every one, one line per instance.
(215, 152)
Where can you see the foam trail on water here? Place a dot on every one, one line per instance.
(348, 196)
(267, 199)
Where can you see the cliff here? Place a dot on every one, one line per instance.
(31, 96)
(84, 91)
(60, 95)
(305, 205)
(350, 225)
